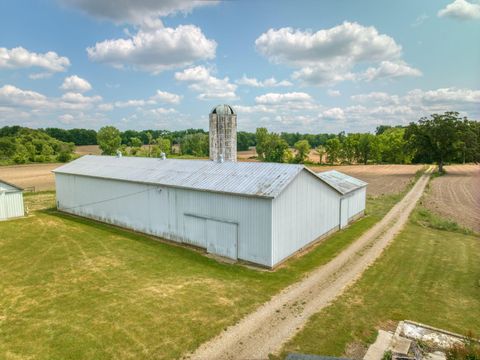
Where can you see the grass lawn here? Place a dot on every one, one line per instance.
(427, 275)
(71, 288)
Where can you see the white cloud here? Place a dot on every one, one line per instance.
(388, 69)
(276, 98)
(20, 57)
(270, 82)
(333, 93)
(461, 10)
(450, 96)
(330, 55)
(66, 119)
(159, 97)
(135, 12)
(155, 50)
(335, 113)
(376, 97)
(210, 87)
(13, 96)
(76, 83)
(42, 75)
(166, 97)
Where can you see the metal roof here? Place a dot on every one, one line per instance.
(341, 182)
(6, 188)
(242, 178)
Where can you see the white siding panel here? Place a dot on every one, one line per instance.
(306, 210)
(161, 210)
(11, 205)
(356, 202)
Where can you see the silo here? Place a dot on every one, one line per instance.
(223, 133)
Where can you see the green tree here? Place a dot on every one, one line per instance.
(164, 145)
(303, 149)
(320, 151)
(368, 148)
(276, 148)
(393, 146)
(109, 140)
(435, 137)
(332, 146)
(195, 144)
(261, 136)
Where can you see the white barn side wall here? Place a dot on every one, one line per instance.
(171, 213)
(356, 203)
(306, 210)
(11, 205)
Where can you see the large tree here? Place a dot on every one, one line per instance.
(109, 140)
(436, 137)
(303, 150)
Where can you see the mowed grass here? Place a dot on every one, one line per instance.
(427, 275)
(71, 288)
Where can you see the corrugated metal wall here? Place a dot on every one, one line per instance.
(11, 205)
(168, 212)
(357, 202)
(306, 210)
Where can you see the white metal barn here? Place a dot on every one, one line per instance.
(11, 201)
(256, 212)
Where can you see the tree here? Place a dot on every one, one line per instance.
(349, 147)
(261, 136)
(368, 148)
(393, 147)
(332, 146)
(276, 148)
(195, 144)
(320, 151)
(435, 137)
(303, 150)
(109, 140)
(164, 145)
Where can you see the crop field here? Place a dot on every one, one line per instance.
(88, 150)
(381, 179)
(39, 176)
(456, 195)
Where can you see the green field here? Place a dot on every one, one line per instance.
(71, 288)
(427, 275)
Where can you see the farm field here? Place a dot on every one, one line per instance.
(73, 288)
(427, 275)
(382, 179)
(456, 195)
(38, 176)
(88, 150)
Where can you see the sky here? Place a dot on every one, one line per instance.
(295, 65)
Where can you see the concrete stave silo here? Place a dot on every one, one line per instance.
(223, 133)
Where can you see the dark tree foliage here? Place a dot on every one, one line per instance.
(245, 140)
(443, 138)
(76, 136)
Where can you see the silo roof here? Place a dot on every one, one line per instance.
(343, 183)
(223, 110)
(240, 178)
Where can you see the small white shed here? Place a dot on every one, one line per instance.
(11, 201)
(257, 212)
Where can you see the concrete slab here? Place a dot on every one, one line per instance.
(400, 345)
(378, 348)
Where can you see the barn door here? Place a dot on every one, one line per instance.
(222, 238)
(195, 231)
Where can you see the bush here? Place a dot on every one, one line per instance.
(468, 350)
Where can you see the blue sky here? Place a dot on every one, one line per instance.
(307, 66)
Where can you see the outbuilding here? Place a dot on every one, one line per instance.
(256, 212)
(11, 201)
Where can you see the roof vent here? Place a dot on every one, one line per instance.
(163, 156)
(220, 158)
(119, 154)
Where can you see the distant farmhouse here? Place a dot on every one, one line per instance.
(260, 213)
(11, 201)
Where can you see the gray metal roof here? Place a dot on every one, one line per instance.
(9, 187)
(341, 182)
(242, 178)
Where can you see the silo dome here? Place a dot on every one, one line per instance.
(223, 110)
(223, 133)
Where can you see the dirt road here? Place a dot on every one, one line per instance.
(270, 326)
(37, 176)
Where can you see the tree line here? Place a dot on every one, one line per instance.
(440, 138)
